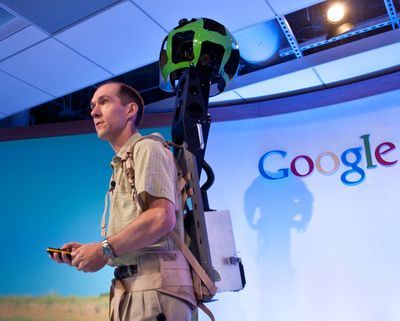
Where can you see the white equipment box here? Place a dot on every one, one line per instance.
(230, 275)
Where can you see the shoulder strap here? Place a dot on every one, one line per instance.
(127, 160)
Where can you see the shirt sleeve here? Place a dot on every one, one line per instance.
(155, 172)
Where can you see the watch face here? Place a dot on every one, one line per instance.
(107, 250)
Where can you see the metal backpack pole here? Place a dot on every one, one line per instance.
(197, 57)
(191, 126)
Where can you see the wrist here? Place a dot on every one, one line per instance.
(108, 251)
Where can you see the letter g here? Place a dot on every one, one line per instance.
(279, 174)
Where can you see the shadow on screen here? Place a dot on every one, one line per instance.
(276, 209)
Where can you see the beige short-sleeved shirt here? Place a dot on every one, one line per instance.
(155, 174)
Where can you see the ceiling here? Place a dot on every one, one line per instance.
(53, 51)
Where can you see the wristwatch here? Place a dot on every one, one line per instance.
(107, 250)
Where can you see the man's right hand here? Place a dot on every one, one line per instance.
(63, 258)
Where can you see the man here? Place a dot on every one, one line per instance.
(152, 279)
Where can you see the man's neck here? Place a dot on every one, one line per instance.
(121, 140)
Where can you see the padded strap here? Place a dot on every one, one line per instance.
(202, 276)
(128, 163)
(210, 285)
(206, 310)
(103, 218)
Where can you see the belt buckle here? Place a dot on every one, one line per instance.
(117, 273)
(126, 271)
(132, 269)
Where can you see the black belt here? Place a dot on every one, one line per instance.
(126, 271)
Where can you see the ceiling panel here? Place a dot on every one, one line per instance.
(360, 64)
(284, 7)
(53, 16)
(9, 23)
(160, 106)
(283, 84)
(17, 96)
(20, 40)
(229, 95)
(233, 14)
(53, 68)
(120, 39)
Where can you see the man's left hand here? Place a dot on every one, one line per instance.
(89, 257)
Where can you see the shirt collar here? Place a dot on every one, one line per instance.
(116, 160)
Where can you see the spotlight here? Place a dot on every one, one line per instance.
(338, 21)
(336, 12)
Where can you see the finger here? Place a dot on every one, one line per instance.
(53, 258)
(74, 253)
(71, 246)
(66, 259)
(75, 257)
(80, 267)
(56, 257)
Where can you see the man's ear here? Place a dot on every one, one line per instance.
(132, 109)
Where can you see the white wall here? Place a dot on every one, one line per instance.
(313, 247)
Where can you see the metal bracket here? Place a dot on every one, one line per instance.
(289, 52)
(289, 36)
(391, 10)
(232, 260)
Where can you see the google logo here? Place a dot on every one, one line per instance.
(350, 158)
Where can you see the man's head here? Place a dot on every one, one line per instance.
(117, 110)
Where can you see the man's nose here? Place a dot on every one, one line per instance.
(95, 112)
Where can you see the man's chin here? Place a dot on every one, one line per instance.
(102, 135)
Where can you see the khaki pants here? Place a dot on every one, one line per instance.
(152, 305)
(162, 290)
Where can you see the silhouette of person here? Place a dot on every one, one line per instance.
(274, 208)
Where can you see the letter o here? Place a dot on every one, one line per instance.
(335, 159)
(309, 162)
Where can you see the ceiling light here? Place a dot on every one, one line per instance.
(336, 12)
(339, 22)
